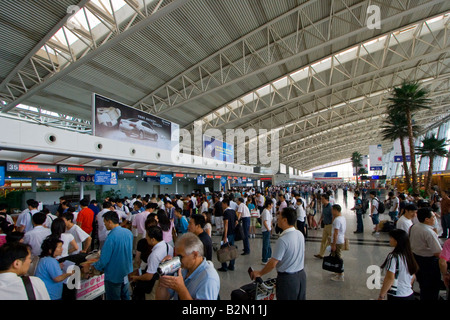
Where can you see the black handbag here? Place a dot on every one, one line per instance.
(333, 263)
(239, 232)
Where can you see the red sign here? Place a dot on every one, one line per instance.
(150, 173)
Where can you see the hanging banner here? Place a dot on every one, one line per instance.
(375, 156)
(105, 178)
(398, 150)
(166, 179)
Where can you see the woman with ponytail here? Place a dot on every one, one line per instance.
(401, 268)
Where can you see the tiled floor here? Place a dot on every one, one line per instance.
(365, 250)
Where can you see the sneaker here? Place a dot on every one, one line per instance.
(337, 277)
(376, 233)
(222, 269)
(318, 256)
(264, 263)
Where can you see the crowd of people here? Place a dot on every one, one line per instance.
(136, 235)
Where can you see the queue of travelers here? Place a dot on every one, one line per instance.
(135, 235)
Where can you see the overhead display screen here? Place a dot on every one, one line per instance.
(75, 170)
(30, 167)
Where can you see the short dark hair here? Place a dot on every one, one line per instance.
(199, 220)
(155, 233)
(84, 202)
(226, 201)
(336, 207)
(68, 216)
(12, 251)
(325, 196)
(3, 206)
(151, 205)
(111, 216)
(39, 218)
(290, 214)
(267, 203)
(411, 207)
(374, 193)
(424, 213)
(137, 204)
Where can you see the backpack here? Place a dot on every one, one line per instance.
(365, 206)
(381, 206)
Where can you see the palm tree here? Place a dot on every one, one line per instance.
(395, 127)
(407, 99)
(432, 148)
(356, 163)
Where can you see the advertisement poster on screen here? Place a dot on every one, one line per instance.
(375, 156)
(398, 150)
(117, 121)
(217, 149)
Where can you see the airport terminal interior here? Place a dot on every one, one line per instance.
(200, 105)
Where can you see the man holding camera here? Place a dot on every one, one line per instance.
(198, 280)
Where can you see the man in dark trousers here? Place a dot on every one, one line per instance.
(229, 224)
(288, 257)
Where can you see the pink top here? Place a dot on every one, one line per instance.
(2, 239)
(167, 235)
(445, 253)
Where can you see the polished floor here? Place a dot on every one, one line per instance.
(365, 250)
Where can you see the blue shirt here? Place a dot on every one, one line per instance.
(48, 269)
(116, 258)
(203, 283)
(182, 225)
(327, 215)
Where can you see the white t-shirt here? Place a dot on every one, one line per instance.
(101, 229)
(204, 207)
(394, 204)
(375, 205)
(301, 213)
(12, 287)
(79, 235)
(66, 238)
(243, 209)
(159, 252)
(25, 219)
(266, 216)
(404, 278)
(404, 223)
(340, 224)
(35, 238)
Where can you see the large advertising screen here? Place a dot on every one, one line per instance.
(117, 121)
(217, 149)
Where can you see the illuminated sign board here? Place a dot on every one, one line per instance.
(30, 167)
(150, 173)
(75, 170)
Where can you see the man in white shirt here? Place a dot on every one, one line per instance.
(160, 250)
(374, 203)
(426, 248)
(24, 222)
(15, 260)
(393, 210)
(82, 239)
(139, 221)
(36, 236)
(243, 213)
(406, 220)
(338, 229)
